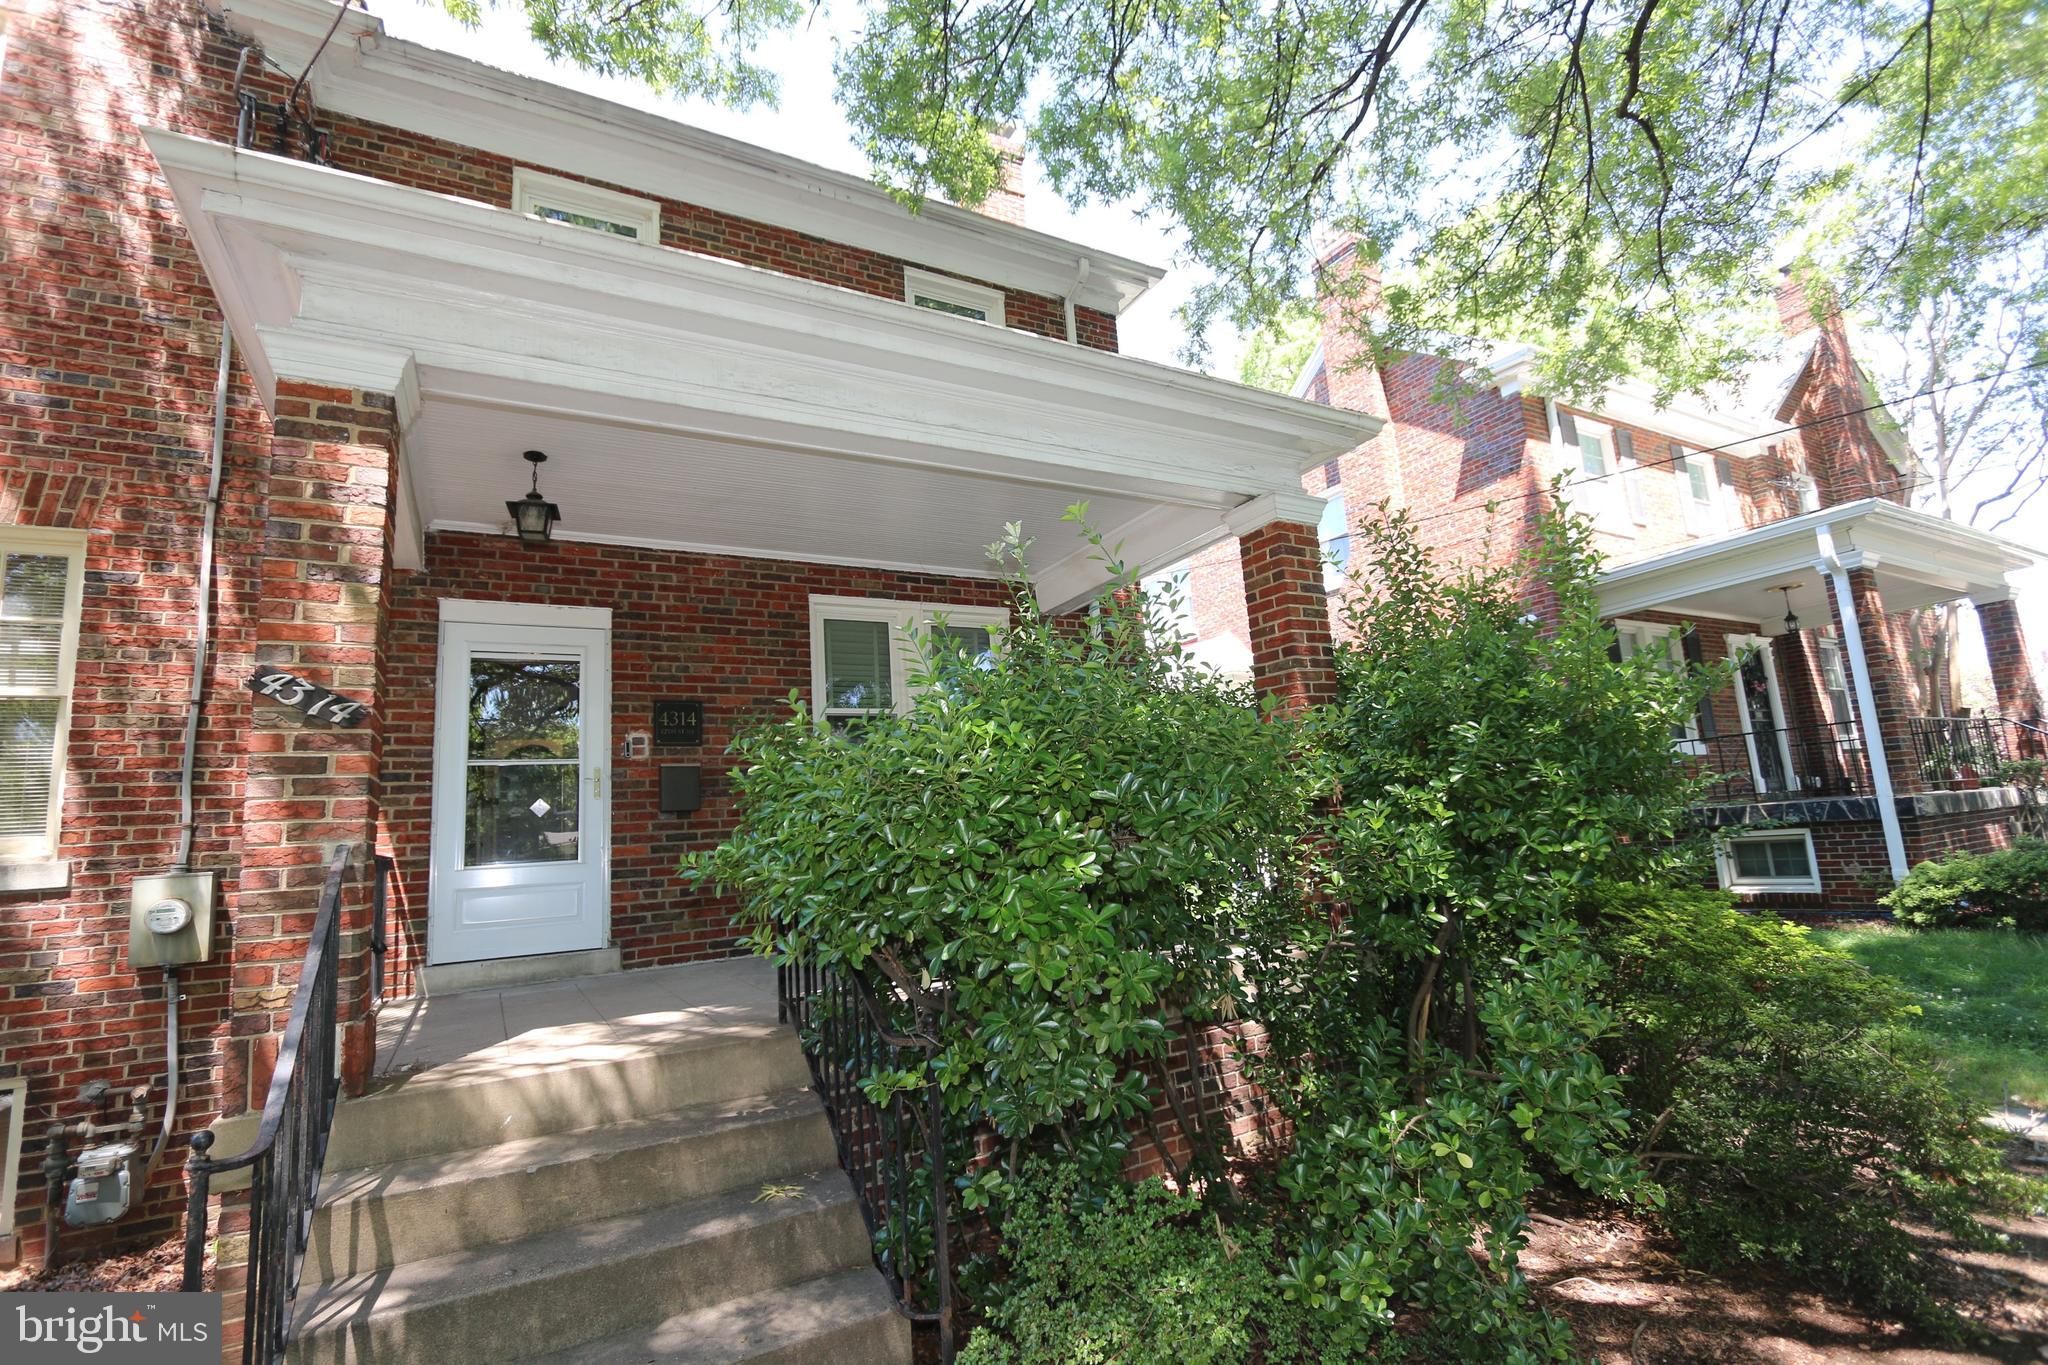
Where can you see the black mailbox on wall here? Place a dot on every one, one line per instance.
(682, 788)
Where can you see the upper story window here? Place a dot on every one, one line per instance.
(42, 581)
(1333, 530)
(1600, 465)
(561, 200)
(944, 294)
(1707, 488)
(864, 663)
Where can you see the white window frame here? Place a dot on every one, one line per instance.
(1732, 880)
(72, 544)
(901, 617)
(1647, 633)
(947, 289)
(1604, 496)
(1708, 518)
(533, 190)
(1826, 648)
(1334, 577)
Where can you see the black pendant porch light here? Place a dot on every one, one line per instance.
(1791, 617)
(533, 516)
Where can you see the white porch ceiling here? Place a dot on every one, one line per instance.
(1918, 560)
(648, 486)
(691, 401)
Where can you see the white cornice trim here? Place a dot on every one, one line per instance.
(369, 74)
(319, 269)
(1867, 533)
(1298, 508)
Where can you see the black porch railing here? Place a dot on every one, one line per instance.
(1785, 764)
(380, 936)
(291, 1143)
(1960, 750)
(895, 1153)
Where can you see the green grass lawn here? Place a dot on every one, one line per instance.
(1984, 999)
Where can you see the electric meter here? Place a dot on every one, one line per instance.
(168, 915)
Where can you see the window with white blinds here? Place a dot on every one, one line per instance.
(42, 575)
(865, 657)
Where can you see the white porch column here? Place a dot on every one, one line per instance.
(1867, 711)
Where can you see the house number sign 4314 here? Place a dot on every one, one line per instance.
(289, 689)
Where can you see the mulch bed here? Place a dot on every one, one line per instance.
(158, 1269)
(1631, 1301)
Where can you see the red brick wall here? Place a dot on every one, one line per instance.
(107, 363)
(732, 631)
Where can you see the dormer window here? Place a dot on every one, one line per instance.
(944, 294)
(561, 200)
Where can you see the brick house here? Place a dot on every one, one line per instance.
(1774, 528)
(288, 302)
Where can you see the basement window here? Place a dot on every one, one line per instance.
(42, 582)
(944, 294)
(1777, 860)
(864, 663)
(561, 200)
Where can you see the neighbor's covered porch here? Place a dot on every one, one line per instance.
(1809, 611)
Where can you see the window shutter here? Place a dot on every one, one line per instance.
(1695, 660)
(1631, 480)
(1568, 432)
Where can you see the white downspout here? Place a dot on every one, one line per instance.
(1866, 704)
(1080, 278)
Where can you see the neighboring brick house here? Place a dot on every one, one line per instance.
(783, 417)
(1751, 530)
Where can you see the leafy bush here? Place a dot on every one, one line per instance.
(2004, 890)
(1134, 1274)
(1436, 1047)
(1049, 854)
(1773, 1094)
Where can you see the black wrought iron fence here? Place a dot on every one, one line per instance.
(284, 1161)
(894, 1151)
(1782, 764)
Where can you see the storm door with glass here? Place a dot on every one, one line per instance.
(521, 835)
(1763, 713)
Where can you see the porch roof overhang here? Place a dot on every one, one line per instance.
(695, 403)
(1919, 560)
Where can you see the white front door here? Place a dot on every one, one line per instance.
(521, 834)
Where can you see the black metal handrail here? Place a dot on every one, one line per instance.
(291, 1143)
(895, 1153)
(1957, 749)
(380, 940)
(1788, 763)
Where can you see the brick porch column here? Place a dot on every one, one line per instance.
(326, 564)
(1285, 604)
(2012, 672)
(1890, 687)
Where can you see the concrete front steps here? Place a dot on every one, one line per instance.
(592, 1194)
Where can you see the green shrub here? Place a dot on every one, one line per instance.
(1049, 854)
(1134, 1274)
(1774, 1095)
(1436, 1047)
(2004, 890)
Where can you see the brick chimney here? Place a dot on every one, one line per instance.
(1347, 291)
(1006, 202)
(1794, 314)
